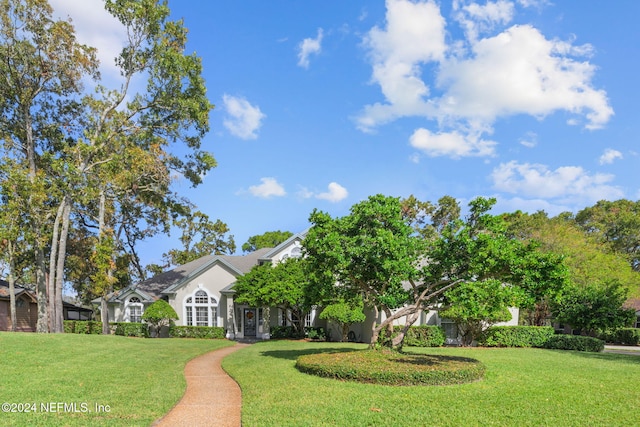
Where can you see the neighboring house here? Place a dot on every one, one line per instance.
(27, 309)
(201, 292)
(635, 304)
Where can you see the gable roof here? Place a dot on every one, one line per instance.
(274, 251)
(18, 290)
(169, 281)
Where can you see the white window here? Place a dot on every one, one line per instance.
(134, 310)
(200, 309)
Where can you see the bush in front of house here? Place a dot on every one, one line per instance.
(278, 332)
(82, 327)
(315, 333)
(516, 336)
(159, 314)
(392, 368)
(131, 329)
(575, 342)
(418, 336)
(623, 336)
(211, 332)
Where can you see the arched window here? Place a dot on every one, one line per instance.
(200, 309)
(134, 309)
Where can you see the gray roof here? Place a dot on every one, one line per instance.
(169, 281)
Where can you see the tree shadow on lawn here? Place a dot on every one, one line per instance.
(294, 354)
(633, 359)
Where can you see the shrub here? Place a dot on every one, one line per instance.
(132, 329)
(392, 368)
(623, 336)
(212, 332)
(283, 332)
(516, 336)
(418, 336)
(314, 333)
(159, 314)
(82, 327)
(574, 342)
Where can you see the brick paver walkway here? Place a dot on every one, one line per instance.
(212, 397)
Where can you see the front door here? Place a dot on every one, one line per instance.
(250, 322)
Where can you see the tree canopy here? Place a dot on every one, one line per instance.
(270, 239)
(380, 251)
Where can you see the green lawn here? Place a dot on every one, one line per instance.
(522, 387)
(139, 379)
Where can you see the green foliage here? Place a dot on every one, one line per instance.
(315, 333)
(344, 314)
(516, 336)
(200, 237)
(210, 332)
(132, 329)
(284, 285)
(574, 342)
(622, 336)
(159, 314)
(392, 368)
(418, 336)
(82, 327)
(474, 306)
(270, 239)
(595, 308)
(617, 224)
(283, 332)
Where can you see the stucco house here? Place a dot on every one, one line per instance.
(201, 292)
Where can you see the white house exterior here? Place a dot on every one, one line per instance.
(201, 292)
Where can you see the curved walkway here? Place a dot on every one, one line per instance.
(212, 397)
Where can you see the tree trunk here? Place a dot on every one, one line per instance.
(12, 288)
(375, 331)
(41, 286)
(104, 316)
(51, 279)
(397, 342)
(62, 253)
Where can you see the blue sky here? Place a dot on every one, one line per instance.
(320, 104)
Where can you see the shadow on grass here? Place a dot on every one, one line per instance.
(429, 360)
(294, 354)
(633, 359)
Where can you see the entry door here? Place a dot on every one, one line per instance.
(250, 322)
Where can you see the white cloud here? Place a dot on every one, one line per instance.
(414, 35)
(269, 188)
(519, 71)
(530, 140)
(567, 184)
(476, 18)
(452, 144)
(493, 73)
(94, 27)
(308, 47)
(609, 156)
(335, 194)
(243, 119)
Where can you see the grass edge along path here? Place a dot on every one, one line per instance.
(79, 380)
(524, 387)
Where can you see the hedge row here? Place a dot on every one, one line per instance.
(516, 336)
(82, 327)
(574, 342)
(133, 329)
(213, 332)
(419, 336)
(624, 336)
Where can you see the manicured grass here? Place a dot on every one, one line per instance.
(139, 379)
(521, 387)
(392, 368)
